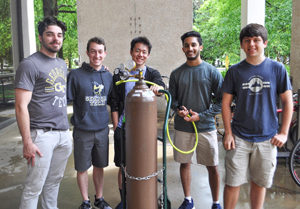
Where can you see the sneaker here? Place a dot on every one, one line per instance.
(216, 206)
(101, 203)
(120, 205)
(187, 204)
(86, 204)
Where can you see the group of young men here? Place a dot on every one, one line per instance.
(43, 90)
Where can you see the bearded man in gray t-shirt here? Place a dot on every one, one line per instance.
(41, 112)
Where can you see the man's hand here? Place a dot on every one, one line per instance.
(192, 117)
(29, 151)
(155, 89)
(228, 142)
(182, 111)
(279, 140)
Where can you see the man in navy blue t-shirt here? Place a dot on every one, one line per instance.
(252, 136)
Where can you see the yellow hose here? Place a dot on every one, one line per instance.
(168, 134)
(170, 140)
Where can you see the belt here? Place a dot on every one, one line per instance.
(51, 129)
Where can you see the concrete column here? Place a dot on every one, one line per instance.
(118, 22)
(252, 11)
(295, 45)
(29, 41)
(23, 30)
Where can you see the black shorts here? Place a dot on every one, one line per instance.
(119, 138)
(90, 148)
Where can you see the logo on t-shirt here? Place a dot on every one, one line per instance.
(98, 88)
(256, 84)
(57, 85)
(97, 99)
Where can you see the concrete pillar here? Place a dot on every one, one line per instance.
(295, 45)
(118, 22)
(23, 30)
(29, 40)
(252, 11)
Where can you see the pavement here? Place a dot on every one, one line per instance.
(284, 194)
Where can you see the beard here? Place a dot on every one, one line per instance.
(49, 48)
(193, 58)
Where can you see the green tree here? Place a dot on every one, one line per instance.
(65, 10)
(219, 23)
(278, 23)
(5, 33)
(196, 6)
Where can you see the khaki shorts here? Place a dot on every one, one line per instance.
(207, 149)
(255, 162)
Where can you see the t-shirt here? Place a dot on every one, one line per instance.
(197, 88)
(255, 89)
(46, 78)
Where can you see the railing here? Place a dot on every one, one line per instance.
(7, 77)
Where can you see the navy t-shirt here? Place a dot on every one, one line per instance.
(255, 89)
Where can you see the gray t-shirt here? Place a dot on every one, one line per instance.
(46, 78)
(194, 87)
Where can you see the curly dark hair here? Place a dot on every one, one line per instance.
(42, 25)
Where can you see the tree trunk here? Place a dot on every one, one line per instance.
(50, 8)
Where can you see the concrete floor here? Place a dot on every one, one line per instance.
(284, 194)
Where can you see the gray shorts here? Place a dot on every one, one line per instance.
(90, 148)
(207, 150)
(249, 161)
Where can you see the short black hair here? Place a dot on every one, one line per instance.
(42, 25)
(254, 29)
(96, 40)
(192, 34)
(143, 40)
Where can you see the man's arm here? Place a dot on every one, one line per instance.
(287, 113)
(114, 100)
(155, 77)
(22, 100)
(115, 119)
(228, 140)
(215, 107)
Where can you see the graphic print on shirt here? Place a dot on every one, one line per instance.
(256, 85)
(97, 99)
(57, 80)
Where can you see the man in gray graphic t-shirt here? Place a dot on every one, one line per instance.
(41, 114)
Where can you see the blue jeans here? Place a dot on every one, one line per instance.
(44, 177)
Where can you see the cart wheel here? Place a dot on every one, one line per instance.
(160, 206)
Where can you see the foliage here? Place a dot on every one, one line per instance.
(278, 23)
(70, 48)
(5, 31)
(66, 10)
(196, 6)
(218, 21)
